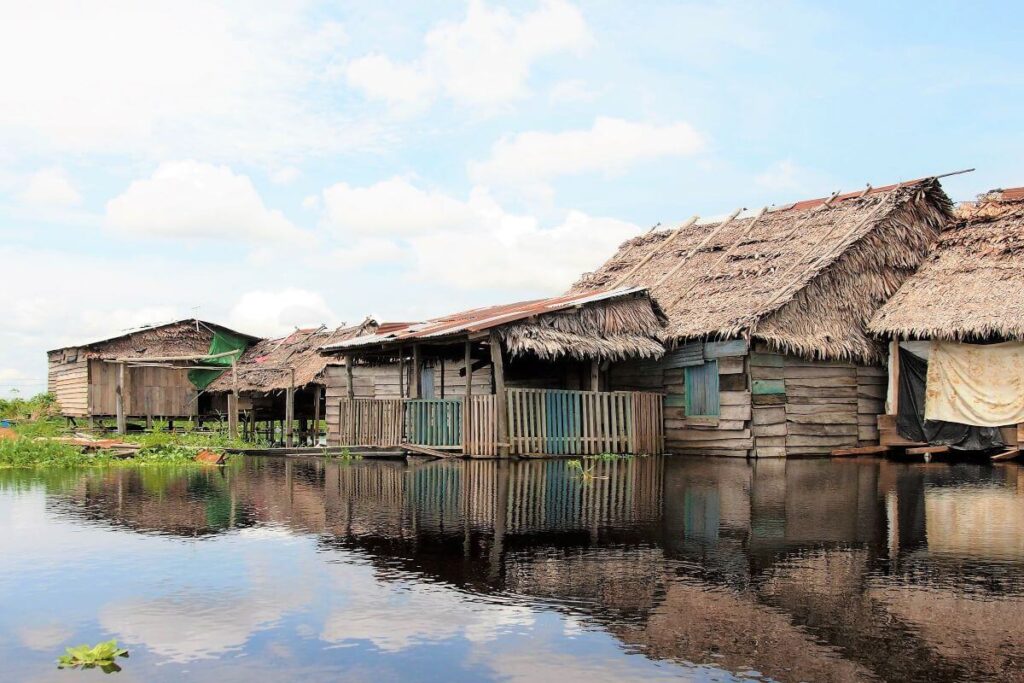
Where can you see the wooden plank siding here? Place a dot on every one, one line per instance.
(771, 404)
(68, 380)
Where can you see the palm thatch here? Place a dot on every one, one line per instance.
(605, 330)
(267, 365)
(805, 278)
(971, 287)
(174, 338)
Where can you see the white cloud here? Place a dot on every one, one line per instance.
(50, 187)
(788, 176)
(483, 60)
(285, 175)
(381, 79)
(512, 251)
(467, 243)
(279, 312)
(393, 207)
(571, 91)
(369, 251)
(171, 78)
(610, 145)
(196, 200)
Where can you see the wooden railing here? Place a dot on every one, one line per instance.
(370, 422)
(434, 422)
(482, 436)
(565, 422)
(541, 422)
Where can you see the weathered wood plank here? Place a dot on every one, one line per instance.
(768, 386)
(720, 349)
(766, 360)
(729, 365)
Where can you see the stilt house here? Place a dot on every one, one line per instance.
(281, 381)
(766, 313)
(153, 363)
(524, 378)
(956, 335)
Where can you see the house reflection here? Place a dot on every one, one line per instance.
(802, 569)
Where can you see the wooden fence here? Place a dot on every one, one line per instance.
(482, 435)
(370, 421)
(541, 422)
(434, 422)
(565, 422)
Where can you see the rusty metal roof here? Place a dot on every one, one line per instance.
(477, 319)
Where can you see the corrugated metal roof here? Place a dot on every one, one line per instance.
(478, 319)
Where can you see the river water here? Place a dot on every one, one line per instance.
(702, 569)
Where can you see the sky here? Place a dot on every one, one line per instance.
(267, 165)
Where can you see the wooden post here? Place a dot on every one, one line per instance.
(316, 414)
(595, 375)
(500, 399)
(416, 386)
(442, 377)
(232, 414)
(892, 404)
(289, 410)
(122, 426)
(252, 423)
(401, 372)
(467, 404)
(349, 360)
(149, 422)
(233, 402)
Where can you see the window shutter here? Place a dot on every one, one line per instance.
(702, 389)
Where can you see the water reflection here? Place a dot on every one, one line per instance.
(710, 568)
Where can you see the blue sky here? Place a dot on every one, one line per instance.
(268, 165)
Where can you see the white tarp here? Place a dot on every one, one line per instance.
(976, 384)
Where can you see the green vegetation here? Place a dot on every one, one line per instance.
(85, 657)
(34, 442)
(39, 406)
(609, 456)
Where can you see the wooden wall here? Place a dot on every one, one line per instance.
(728, 434)
(160, 392)
(68, 380)
(771, 405)
(803, 407)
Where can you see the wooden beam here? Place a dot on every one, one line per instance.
(122, 426)
(316, 413)
(860, 450)
(289, 411)
(923, 450)
(348, 376)
(595, 375)
(423, 450)
(893, 390)
(168, 359)
(232, 414)
(500, 397)
(478, 365)
(703, 243)
(654, 252)
(416, 386)
(233, 403)
(467, 405)
(1008, 454)
(401, 372)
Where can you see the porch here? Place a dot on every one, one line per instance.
(537, 422)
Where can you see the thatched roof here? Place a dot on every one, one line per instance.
(604, 325)
(266, 366)
(804, 277)
(971, 287)
(173, 338)
(613, 329)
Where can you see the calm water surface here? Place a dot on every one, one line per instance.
(699, 569)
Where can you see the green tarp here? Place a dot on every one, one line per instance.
(222, 342)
